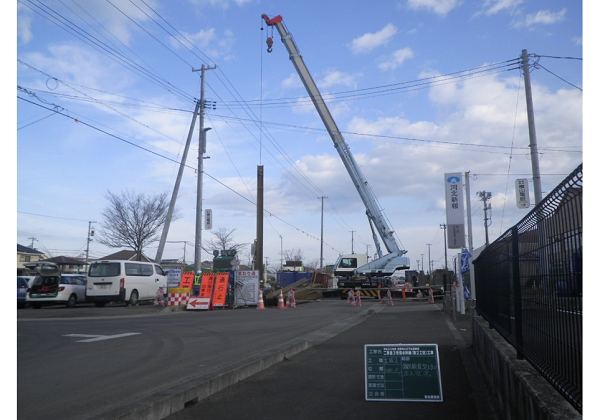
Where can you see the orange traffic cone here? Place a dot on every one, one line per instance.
(261, 303)
(281, 303)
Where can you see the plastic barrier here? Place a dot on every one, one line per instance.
(291, 299)
(178, 296)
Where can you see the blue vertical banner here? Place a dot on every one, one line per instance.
(465, 258)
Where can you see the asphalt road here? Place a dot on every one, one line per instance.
(80, 363)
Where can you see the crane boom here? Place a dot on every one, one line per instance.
(394, 260)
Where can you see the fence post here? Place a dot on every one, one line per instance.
(516, 274)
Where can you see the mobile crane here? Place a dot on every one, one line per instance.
(370, 273)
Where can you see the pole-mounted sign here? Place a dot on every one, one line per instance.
(522, 191)
(455, 213)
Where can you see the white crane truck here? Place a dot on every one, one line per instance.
(354, 268)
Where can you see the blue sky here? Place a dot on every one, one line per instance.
(419, 88)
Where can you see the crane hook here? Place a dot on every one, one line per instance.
(269, 44)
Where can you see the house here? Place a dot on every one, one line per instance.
(27, 255)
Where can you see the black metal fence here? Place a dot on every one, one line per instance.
(529, 287)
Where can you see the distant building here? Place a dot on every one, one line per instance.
(27, 255)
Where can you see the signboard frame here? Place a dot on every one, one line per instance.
(403, 372)
(246, 287)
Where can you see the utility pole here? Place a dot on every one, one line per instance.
(429, 267)
(281, 255)
(260, 176)
(165, 232)
(202, 145)
(322, 198)
(32, 239)
(352, 232)
(535, 164)
(443, 226)
(485, 196)
(470, 234)
(89, 239)
(418, 266)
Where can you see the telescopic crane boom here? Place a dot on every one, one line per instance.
(385, 265)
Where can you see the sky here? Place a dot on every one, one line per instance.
(418, 88)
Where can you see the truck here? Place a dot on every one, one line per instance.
(365, 274)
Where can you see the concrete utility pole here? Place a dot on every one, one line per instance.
(535, 164)
(165, 232)
(352, 232)
(429, 267)
(89, 239)
(321, 267)
(485, 196)
(470, 234)
(443, 226)
(201, 148)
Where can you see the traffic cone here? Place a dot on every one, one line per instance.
(261, 303)
(281, 303)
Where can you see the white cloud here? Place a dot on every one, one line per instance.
(440, 7)
(24, 24)
(545, 17)
(337, 78)
(396, 59)
(491, 7)
(370, 41)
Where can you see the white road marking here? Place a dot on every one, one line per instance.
(92, 338)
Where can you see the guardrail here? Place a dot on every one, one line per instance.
(529, 287)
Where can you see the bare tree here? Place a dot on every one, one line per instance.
(133, 220)
(223, 239)
(293, 255)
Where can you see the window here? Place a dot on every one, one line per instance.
(105, 269)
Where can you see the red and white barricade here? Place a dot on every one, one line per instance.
(178, 297)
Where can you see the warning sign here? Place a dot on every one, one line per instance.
(206, 289)
(187, 280)
(220, 290)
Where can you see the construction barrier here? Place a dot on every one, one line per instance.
(178, 296)
(291, 299)
(159, 298)
(281, 303)
(261, 303)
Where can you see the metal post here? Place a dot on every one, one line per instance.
(535, 164)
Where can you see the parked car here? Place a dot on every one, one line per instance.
(22, 287)
(124, 281)
(28, 279)
(53, 288)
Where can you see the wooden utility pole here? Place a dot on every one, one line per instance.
(259, 220)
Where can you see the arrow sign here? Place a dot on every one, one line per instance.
(195, 303)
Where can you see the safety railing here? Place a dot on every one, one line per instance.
(529, 287)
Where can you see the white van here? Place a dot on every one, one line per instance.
(123, 281)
